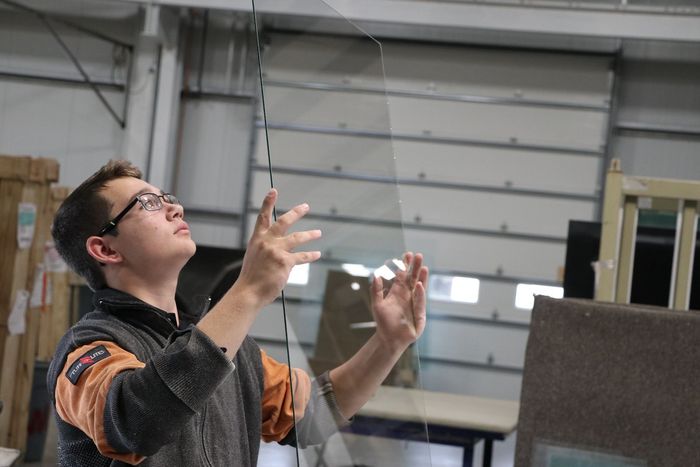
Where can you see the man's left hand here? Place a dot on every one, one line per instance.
(400, 312)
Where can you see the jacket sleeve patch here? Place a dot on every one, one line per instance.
(85, 361)
(82, 403)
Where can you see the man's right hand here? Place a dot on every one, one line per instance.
(270, 255)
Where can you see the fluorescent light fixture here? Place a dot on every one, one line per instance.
(454, 288)
(299, 275)
(525, 294)
(356, 269)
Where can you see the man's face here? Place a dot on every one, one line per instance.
(150, 242)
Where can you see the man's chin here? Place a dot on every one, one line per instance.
(190, 250)
(183, 255)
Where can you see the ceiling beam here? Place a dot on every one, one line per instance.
(613, 22)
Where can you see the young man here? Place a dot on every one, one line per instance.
(135, 382)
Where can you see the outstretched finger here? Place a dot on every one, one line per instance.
(423, 276)
(304, 257)
(287, 219)
(419, 314)
(407, 259)
(295, 239)
(413, 264)
(416, 267)
(264, 220)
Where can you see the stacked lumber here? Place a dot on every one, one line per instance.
(34, 290)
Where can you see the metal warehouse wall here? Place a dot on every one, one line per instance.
(496, 148)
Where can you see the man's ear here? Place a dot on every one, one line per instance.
(99, 248)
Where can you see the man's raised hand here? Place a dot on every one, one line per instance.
(400, 314)
(270, 256)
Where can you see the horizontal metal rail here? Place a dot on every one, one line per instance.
(209, 94)
(425, 183)
(61, 79)
(517, 146)
(429, 227)
(433, 95)
(659, 129)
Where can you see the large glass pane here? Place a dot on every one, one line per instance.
(326, 140)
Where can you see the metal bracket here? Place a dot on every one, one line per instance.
(46, 20)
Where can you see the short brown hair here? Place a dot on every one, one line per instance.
(83, 213)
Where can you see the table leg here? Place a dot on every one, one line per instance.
(468, 455)
(488, 452)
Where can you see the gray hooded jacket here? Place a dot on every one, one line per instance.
(187, 405)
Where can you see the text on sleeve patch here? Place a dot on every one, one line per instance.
(85, 361)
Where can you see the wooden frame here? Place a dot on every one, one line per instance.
(619, 231)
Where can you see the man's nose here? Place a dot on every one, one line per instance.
(174, 211)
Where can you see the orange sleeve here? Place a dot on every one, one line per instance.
(277, 415)
(81, 399)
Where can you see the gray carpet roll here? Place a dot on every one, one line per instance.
(610, 385)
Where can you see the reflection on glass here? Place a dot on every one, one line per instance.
(326, 140)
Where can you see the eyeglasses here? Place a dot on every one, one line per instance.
(149, 201)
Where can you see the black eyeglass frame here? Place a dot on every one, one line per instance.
(165, 197)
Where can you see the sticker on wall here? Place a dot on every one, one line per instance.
(16, 322)
(26, 222)
(41, 290)
(53, 260)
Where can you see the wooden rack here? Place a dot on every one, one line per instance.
(33, 271)
(623, 195)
